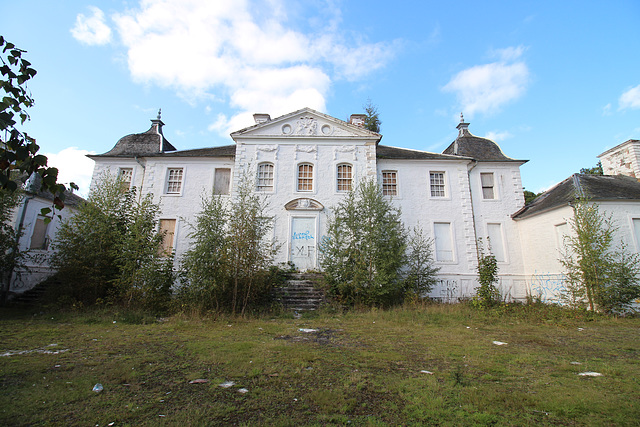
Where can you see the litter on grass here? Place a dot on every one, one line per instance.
(227, 384)
(499, 343)
(576, 363)
(307, 331)
(198, 381)
(590, 374)
(98, 388)
(243, 390)
(426, 372)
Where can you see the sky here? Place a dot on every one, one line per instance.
(552, 82)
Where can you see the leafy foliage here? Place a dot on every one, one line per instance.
(487, 293)
(372, 121)
(19, 151)
(596, 170)
(109, 250)
(420, 274)
(596, 272)
(364, 252)
(530, 196)
(228, 266)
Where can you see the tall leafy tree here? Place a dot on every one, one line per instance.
(227, 266)
(18, 150)
(596, 170)
(110, 249)
(364, 253)
(372, 121)
(597, 273)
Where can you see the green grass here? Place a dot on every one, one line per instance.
(359, 368)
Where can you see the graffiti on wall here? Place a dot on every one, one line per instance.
(547, 286)
(448, 290)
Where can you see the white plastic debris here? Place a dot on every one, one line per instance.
(581, 329)
(198, 381)
(227, 384)
(307, 330)
(499, 343)
(98, 388)
(427, 372)
(590, 374)
(243, 390)
(576, 363)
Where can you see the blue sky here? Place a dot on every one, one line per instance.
(553, 82)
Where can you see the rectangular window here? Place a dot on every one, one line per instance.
(305, 177)
(390, 183)
(221, 181)
(265, 177)
(443, 241)
(486, 179)
(126, 175)
(636, 231)
(168, 229)
(39, 237)
(344, 174)
(174, 180)
(437, 184)
(494, 232)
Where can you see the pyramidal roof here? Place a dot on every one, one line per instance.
(141, 144)
(480, 149)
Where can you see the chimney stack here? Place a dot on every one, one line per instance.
(261, 118)
(358, 119)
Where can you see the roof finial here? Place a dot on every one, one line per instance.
(159, 113)
(461, 118)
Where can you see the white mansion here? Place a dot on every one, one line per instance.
(306, 161)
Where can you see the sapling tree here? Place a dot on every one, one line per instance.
(420, 272)
(487, 293)
(597, 273)
(364, 252)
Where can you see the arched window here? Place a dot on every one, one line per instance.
(305, 177)
(344, 177)
(265, 177)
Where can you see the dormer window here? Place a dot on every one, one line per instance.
(305, 177)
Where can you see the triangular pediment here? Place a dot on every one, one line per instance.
(306, 123)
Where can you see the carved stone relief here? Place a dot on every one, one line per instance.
(306, 126)
(304, 204)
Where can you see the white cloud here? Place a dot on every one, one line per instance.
(91, 30)
(251, 53)
(630, 99)
(606, 110)
(498, 136)
(486, 88)
(73, 166)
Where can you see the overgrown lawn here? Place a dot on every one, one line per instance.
(361, 368)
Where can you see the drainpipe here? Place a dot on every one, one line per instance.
(473, 214)
(144, 172)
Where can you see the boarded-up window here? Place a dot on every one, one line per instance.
(496, 242)
(487, 186)
(168, 229)
(39, 238)
(221, 181)
(389, 183)
(443, 241)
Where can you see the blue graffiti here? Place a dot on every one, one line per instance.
(303, 236)
(548, 287)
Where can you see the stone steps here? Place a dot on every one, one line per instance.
(301, 292)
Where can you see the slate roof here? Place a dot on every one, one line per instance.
(222, 151)
(480, 149)
(386, 152)
(140, 144)
(593, 187)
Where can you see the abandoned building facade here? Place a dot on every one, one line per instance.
(306, 161)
